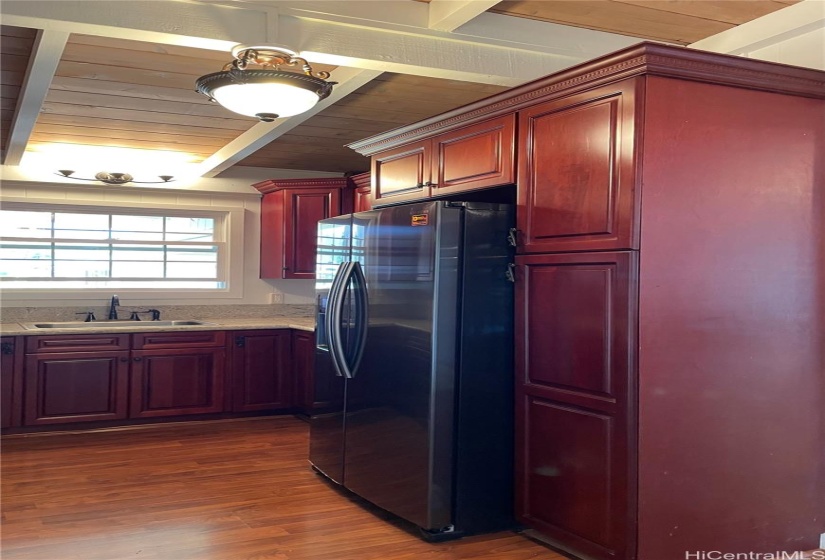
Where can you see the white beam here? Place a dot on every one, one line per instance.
(781, 25)
(191, 24)
(261, 134)
(46, 53)
(449, 15)
(383, 36)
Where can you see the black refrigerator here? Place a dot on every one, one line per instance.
(414, 353)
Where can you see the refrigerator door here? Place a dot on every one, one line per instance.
(326, 448)
(399, 448)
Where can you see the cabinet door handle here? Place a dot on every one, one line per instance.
(137, 359)
(512, 237)
(125, 359)
(7, 348)
(240, 341)
(510, 273)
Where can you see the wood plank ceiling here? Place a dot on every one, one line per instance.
(114, 92)
(15, 49)
(675, 21)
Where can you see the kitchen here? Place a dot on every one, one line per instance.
(539, 255)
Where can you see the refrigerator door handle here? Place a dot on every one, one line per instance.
(361, 316)
(332, 318)
(336, 346)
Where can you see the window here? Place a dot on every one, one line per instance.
(82, 248)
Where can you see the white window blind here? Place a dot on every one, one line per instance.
(106, 249)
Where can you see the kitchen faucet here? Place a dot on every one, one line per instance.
(113, 308)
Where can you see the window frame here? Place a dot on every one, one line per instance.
(229, 226)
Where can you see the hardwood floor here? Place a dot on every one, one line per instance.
(236, 490)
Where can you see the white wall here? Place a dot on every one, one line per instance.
(230, 190)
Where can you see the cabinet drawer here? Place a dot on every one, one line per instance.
(180, 339)
(77, 343)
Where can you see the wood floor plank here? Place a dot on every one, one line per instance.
(229, 490)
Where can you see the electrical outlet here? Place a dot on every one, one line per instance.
(276, 297)
(822, 540)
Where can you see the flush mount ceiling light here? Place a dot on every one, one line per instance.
(112, 178)
(268, 93)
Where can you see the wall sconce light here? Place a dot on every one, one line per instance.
(112, 178)
(268, 93)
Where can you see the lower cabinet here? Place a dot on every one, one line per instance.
(303, 367)
(575, 411)
(11, 381)
(176, 382)
(261, 373)
(66, 387)
(59, 379)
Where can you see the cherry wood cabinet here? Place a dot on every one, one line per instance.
(177, 373)
(362, 192)
(402, 174)
(290, 211)
(665, 234)
(303, 368)
(11, 381)
(262, 376)
(577, 180)
(575, 340)
(670, 312)
(176, 382)
(474, 157)
(62, 387)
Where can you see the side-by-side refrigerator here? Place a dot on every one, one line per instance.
(413, 370)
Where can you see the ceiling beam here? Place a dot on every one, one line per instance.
(46, 52)
(781, 25)
(382, 36)
(449, 15)
(261, 134)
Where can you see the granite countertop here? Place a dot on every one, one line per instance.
(286, 322)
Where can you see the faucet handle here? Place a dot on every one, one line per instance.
(90, 316)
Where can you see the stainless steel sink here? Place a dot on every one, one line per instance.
(80, 325)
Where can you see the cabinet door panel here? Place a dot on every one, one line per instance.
(402, 174)
(186, 339)
(303, 360)
(77, 343)
(11, 376)
(577, 172)
(262, 378)
(176, 382)
(304, 209)
(76, 387)
(568, 460)
(575, 399)
(475, 157)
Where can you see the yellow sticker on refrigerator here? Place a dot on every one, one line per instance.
(420, 219)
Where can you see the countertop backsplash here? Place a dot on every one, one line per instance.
(167, 312)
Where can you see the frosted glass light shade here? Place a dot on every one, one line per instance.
(253, 99)
(266, 94)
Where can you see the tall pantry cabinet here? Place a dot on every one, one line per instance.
(670, 305)
(670, 301)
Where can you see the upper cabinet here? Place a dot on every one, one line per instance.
(402, 174)
(473, 157)
(362, 192)
(290, 211)
(576, 181)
